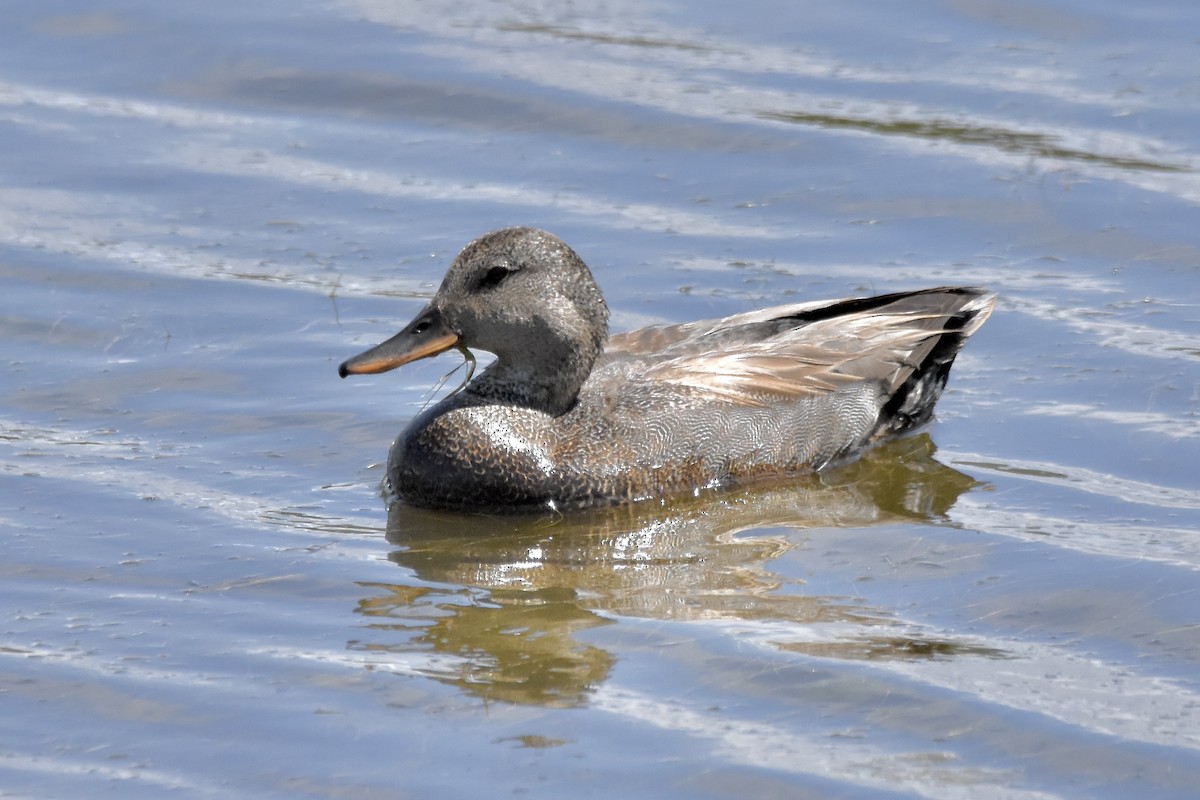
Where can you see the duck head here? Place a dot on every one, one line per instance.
(522, 294)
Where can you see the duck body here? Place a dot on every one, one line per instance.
(567, 417)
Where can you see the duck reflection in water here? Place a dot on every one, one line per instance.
(499, 599)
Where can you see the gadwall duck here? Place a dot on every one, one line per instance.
(568, 417)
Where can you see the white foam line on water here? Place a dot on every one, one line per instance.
(1112, 330)
(415, 663)
(49, 221)
(1082, 692)
(679, 88)
(410, 663)
(1086, 693)
(1132, 540)
(64, 454)
(46, 226)
(1178, 547)
(766, 746)
(1080, 478)
(203, 154)
(1168, 425)
(99, 105)
(222, 160)
(98, 769)
(628, 31)
(1013, 277)
(745, 742)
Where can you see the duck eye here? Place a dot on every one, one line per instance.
(494, 277)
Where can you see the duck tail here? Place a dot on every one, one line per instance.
(912, 402)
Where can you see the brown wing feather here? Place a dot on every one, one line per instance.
(818, 357)
(654, 340)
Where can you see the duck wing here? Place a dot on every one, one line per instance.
(906, 341)
(699, 337)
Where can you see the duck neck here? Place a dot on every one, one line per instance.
(548, 380)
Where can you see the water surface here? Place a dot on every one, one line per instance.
(205, 209)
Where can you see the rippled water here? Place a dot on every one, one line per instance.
(206, 207)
